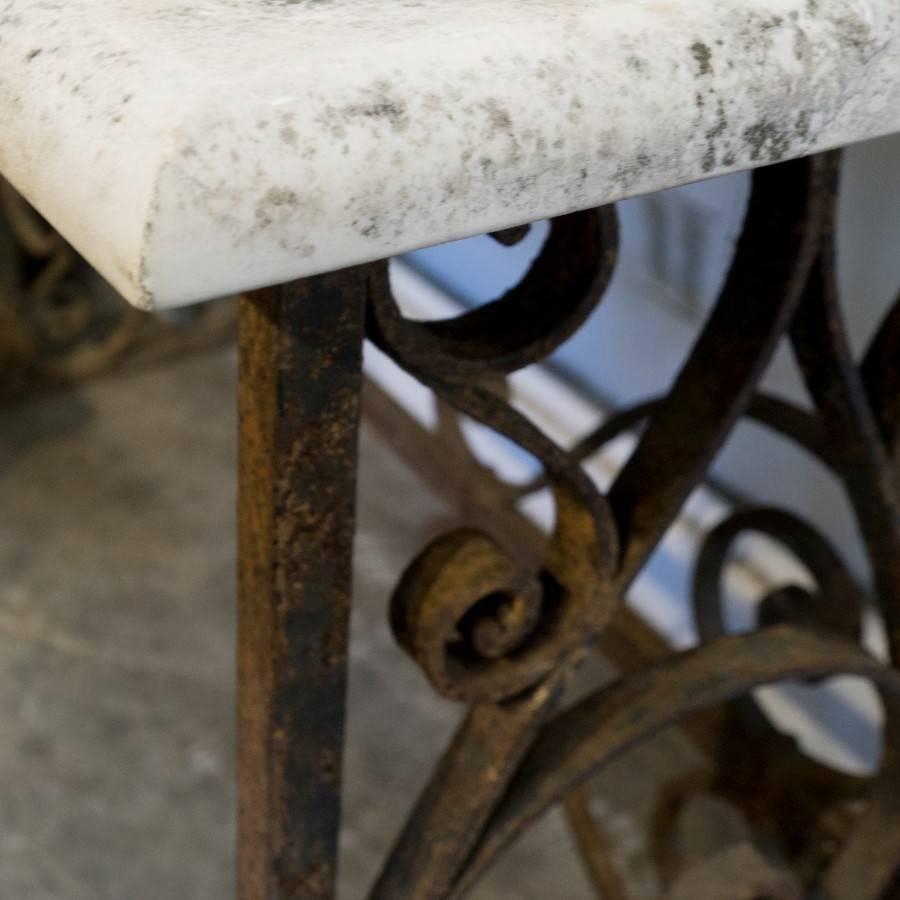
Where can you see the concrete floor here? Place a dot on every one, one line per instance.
(116, 654)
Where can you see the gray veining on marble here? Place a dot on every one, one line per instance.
(191, 149)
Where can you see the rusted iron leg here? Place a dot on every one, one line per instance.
(300, 379)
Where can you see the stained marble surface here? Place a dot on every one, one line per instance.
(191, 148)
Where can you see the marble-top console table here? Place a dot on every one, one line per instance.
(194, 149)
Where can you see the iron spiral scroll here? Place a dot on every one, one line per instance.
(501, 629)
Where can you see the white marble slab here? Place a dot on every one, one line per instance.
(191, 148)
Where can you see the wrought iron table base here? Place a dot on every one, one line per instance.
(498, 621)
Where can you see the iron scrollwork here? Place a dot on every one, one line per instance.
(499, 628)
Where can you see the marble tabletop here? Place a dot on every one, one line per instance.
(193, 148)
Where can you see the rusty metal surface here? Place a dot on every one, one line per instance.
(492, 623)
(300, 375)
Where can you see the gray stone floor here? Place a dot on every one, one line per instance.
(116, 653)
